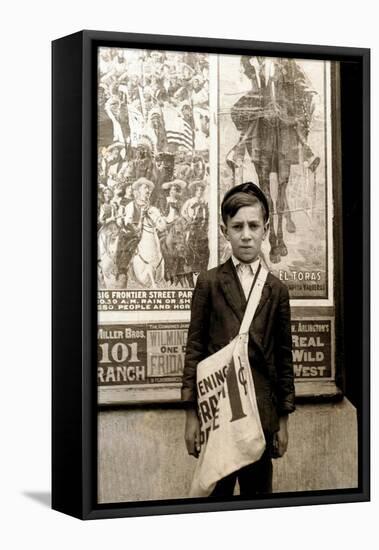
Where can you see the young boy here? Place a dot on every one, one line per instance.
(218, 305)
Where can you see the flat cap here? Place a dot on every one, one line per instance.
(251, 189)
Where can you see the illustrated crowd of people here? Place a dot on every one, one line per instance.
(153, 167)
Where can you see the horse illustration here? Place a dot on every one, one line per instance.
(174, 252)
(147, 263)
(197, 248)
(109, 273)
(273, 119)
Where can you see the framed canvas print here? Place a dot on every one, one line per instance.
(210, 274)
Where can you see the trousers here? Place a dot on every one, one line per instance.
(254, 479)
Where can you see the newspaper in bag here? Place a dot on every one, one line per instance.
(231, 430)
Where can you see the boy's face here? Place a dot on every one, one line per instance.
(246, 231)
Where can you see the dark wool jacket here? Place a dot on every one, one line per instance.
(217, 309)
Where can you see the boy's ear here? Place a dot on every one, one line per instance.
(267, 227)
(224, 230)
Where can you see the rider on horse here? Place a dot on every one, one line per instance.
(142, 219)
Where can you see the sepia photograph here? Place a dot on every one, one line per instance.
(219, 370)
(193, 361)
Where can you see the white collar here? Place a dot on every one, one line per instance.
(253, 265)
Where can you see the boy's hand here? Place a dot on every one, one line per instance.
(280, 439)
(192, 433)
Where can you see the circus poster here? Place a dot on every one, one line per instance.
(175, 131)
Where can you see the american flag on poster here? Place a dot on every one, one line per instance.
(178, 130)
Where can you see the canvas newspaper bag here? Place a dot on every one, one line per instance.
(231, 431)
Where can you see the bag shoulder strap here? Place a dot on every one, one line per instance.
(253, 299)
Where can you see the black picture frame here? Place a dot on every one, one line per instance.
(74, 316)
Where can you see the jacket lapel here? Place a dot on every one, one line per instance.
(266, 293)
(234, 294)
(231, 287)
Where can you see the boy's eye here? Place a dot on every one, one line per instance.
(238, 227)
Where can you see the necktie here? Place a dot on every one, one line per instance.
(246, 277)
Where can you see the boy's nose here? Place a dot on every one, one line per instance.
(246, 233)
